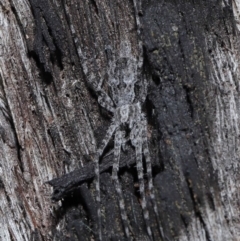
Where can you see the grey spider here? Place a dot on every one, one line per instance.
(127, 112)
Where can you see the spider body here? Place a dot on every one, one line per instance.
(124, 96)
(127, 115)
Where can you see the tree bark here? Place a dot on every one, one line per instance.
(52, 53)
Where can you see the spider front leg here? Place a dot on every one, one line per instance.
(137, 141)
(119, 139)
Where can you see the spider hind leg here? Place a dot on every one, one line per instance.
(137, 140)
(146, 154)
(98, 196)
(119, 140)
(100, 150)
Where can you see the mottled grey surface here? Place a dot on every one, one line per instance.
(51, 122)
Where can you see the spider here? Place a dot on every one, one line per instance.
(126, 109)
(127, 113)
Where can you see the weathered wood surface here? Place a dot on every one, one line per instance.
(51, 123)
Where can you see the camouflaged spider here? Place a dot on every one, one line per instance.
(127, 112)
(125, 103)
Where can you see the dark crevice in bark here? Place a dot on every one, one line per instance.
(36, 235)
(49, 36)
(19, 149)
(95, 6)
(8, 115)
(11, 235)
(188, 100)
(211, 201)
(197, 208)
(1, 184)
(80, 197)
(2, 189)
(54, 134)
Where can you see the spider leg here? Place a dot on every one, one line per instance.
(100, 150)
(107, 137)
(149, 174)
(105, 101)
(138, 10)
(119, 138)
(136, 139)
(98, 196)
(103, 98)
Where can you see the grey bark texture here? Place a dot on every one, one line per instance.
(51, 123)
